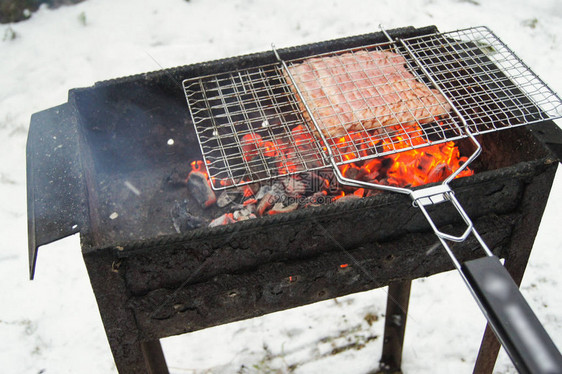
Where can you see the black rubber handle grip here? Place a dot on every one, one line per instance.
(522, 335)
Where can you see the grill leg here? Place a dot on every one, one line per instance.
(130, 355)
(395, 326)
(154, 357)
(488, 353)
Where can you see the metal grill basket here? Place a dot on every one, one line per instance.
(487, 86)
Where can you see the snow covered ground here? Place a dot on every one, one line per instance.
(51, 325)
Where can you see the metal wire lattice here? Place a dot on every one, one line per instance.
(357, 104)
(249, 126)
(492, 88)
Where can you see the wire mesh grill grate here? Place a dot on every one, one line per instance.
(492, 88)
(249, 126)
(357, 104)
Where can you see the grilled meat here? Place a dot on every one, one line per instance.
(365, 91)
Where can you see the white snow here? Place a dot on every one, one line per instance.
(52, 325)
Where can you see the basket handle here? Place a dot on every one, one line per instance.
(518, 329)
(439, 194)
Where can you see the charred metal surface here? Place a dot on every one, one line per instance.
(551, 136)
(280, 285)
(118, 319)
(297, 235)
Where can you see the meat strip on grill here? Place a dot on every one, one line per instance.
(363, 91)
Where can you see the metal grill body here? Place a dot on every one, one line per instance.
(116, 134)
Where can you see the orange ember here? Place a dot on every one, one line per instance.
(411, 168)
(251, 144)
(415, 167)
(404, 169)
(199, 166)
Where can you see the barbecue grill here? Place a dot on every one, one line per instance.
(152, 282)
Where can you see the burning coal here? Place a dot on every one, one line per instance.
(295, 189)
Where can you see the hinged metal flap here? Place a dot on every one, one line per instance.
(55, 187)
